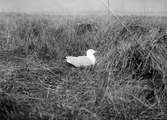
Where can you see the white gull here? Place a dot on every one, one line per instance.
(80, 61)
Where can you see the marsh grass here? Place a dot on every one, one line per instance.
(128, 82)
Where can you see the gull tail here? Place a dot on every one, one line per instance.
(68, 60)
(65, 58)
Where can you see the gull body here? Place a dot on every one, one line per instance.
(82, 61)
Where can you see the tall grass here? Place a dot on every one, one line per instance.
(128, 81)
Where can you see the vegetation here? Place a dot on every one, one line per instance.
(129, 81)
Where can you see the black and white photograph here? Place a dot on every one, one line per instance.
(83, 59)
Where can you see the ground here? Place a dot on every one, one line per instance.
(128, 81)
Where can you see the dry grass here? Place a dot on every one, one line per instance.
(127, 83)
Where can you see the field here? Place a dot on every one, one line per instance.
(128, 82)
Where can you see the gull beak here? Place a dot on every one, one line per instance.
(96, 52)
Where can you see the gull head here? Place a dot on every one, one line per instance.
(90, 52)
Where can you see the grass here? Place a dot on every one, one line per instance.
(127, 83)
